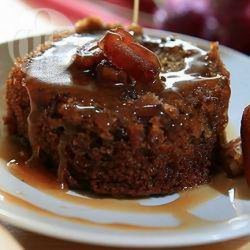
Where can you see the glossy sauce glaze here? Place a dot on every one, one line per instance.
(53, 66)
(55, 69)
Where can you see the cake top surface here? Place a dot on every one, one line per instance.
(106, 87)
(180, 60)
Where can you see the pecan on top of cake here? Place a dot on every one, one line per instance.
(119, 49)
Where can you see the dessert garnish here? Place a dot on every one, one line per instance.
(120, 50)
(126, 54)
(88, 56)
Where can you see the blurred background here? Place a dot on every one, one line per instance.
(227, 21)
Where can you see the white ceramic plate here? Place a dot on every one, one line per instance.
(206, 214)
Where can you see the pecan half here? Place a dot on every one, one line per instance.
(124, 53)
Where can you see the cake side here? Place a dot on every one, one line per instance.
(161, 141)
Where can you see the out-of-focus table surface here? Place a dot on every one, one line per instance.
(33, 241)
(15, 23)
(19, 20)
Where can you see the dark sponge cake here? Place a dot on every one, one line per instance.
(120, 139)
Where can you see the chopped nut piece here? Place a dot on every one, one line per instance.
(136, 60)
(87, 59)
(107, 72)
(172, 111)
(89, 24)
(111, 26)
(136, 29)
(88, 56)
(232, 158)
(136, 135)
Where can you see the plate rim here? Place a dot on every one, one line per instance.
(106, 239)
